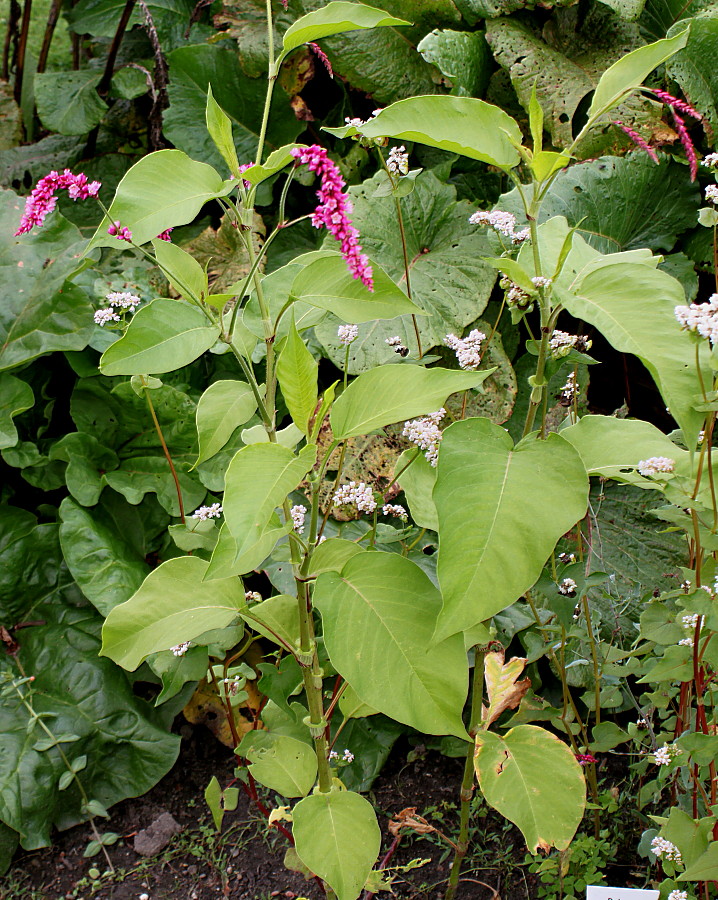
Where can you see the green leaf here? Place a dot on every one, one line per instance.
(141, 475)
(91, 698)
(629, 72)
(392, 599)
(462, 56)
(219, 126)
(183, 272)
(337, 837)
(68, 102)
(627, 9)
(687, 67)
(230, 559)
(336, 17)
(484, 500)
(417, 482)
(15, 397)
(297, 372)
(176, 671)
(449, 279)
(280, 763)
(31, 561)
(327, 283)
(460, 125)
(532, 778)
(613, 447)
(332, 555)
(171, 606)
(705, 868)
(223, 407)
(633, 307)
(390, 394)
(164, 189)
(259, 479)
(162, 336)
(277, 618)
(213, 799)
(275, 162)
(193, 69)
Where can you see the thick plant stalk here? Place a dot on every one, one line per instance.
(21, 50)
(165, 449)
(52, 18)
(11, 38)
(468, 781)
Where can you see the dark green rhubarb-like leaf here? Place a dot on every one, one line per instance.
(68, 102)
(698, 82)
(16, 396)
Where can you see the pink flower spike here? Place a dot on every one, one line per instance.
(680, 105)
(166, 235)
(42, 199)
(284, 3)
(322, 56)
(243, 168)
(334, 210)
(584, 759)
(638, 140)
(120, 232)
(687, 144)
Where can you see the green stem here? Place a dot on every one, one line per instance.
(165, 450)
(467, 782)
(271, 78)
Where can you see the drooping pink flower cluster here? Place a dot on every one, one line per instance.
(42, 200)
(119, 231)
(166, 235)
(321, 56)
(680, 106)
(334, 210)
(638, 140)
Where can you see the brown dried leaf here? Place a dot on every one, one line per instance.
(223, 250)
(408, 818)
(502, 686)
(206, 708)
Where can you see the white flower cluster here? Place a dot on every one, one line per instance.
(398, 161)
(396, 510)
(468, 349)
(567, 557)
(426, 434)
(690, 621)
(570, 390)
(298, 513)
(678, 895)
(665, 755)
(540, 281)
(346, 757)
(252, 596)
(347, 334)
(502, 222)
(357, 122)
(359, 495)
(561, 343)
(568, 587)
(655, 465)
(685, 642)
(396, 344)
(661, 847)
(208, 512)
(711, 161)
(700, 318)
(516, 297)
(181, 649)
(712, 193)
(118, 300)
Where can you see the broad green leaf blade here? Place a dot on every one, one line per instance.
(219, 126)
(182, 271)
(393, 600)
(297, 372)
(279, 762)
(336, 17)
(460, 125)
(332, 555)
(532, 778)
(390, 394)
(274, 163)
(68, 102)
(277, 618)
(141, 475)
(462, 56)
(613, 447)
(630, 71)
(230, 559)
(15, 397)
(223, 407)
(417, 482)
(633, 307)
(259, 479)
(337, 837)
(171, 606)
(176, 671)
(698, 82)
(162, 190)
(327, 283)
(489, 495)
(87, 461)
(162, 336)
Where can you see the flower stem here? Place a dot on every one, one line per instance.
(165, 449)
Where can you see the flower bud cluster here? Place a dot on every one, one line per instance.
(396, 510)
(502, 223)
(298, 514)
(665, 755)
(426, 434)
(567, 587)
(660, 847)
(42, 199)
(396, 344)
(353, 494)
(122, 300)
(468, 349)
(570, 390)
(700, 318)
(655, 465)
(207, 512)
(347, 334)
(397, 162)
(181, 649)
(561, 343)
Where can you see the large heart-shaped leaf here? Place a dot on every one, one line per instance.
(68, 102)
(485, 500)
(532, 778)
(279, 762)
(393, 600)
(16, 396)
(223, 407)
(698, 81)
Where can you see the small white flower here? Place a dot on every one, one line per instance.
(103, 316)
(502, 222)
(568, 587)
(252, 596)
(665, 755)
(700, 318)
(518, 237)
(298, 514)
(661, 847)
(680, 895)
(540, 281)
(321, 539)
(642, 722)
(690, 621)
(181, 649)
(144, 897)
(567, 557)
(398, 161)
(655, 465)
(570, 390)
(208, 512)
(123, 300)
(333, 754)
(711, 161)
(347, 334)
(685, 642)
(353, 494)
(348, 756)
(712, 193)
(356, 122)
(468, 349)
(397, 345)
(396, 510)
(426, 434)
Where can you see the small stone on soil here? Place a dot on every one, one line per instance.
(156, 836)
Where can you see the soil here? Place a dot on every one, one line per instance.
(246, 861)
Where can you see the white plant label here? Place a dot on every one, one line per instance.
(600, 892)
